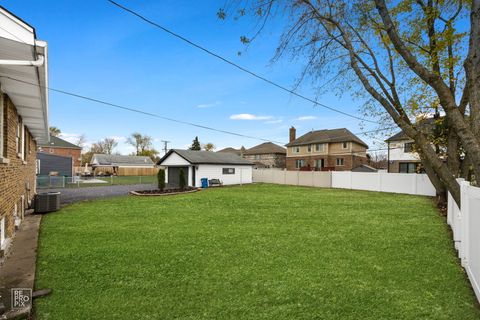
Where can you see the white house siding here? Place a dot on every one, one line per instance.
(243, 174)
(397, 153)
(175, 160)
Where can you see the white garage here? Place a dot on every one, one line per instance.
(228, 168)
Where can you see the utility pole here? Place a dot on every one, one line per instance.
(165, 145)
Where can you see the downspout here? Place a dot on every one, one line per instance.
(388, 157)
(36, 63)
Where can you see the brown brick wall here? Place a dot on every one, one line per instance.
(17, 177)
(350, 161)
(66, 152)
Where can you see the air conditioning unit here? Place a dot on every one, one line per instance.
(47, 202)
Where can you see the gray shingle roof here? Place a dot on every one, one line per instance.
(266, 148)
(230, 150)
(56, 142)
(207, 157)
(326, 136)
(119, 160)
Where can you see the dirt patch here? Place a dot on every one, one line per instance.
(167, 192)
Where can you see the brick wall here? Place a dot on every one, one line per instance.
(350, 161)
(17, 176)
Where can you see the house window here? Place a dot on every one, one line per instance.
(408, 167)
(340, 162)
(309, 148)
(319, 147)
(228, 170)
(319, 163)
(345, 145)
(18, 136)
(2, 232)
(257, 157)
(300, 163)
(296, 149)
(2, 130)
(408, 147)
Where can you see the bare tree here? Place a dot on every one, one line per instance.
(409, 58)
(209, 146)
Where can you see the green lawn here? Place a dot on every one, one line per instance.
(116, 180)
(252, 252)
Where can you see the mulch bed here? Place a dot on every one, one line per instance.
(167, 192)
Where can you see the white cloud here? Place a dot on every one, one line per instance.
(209, 105)
(274, 121)
(305, 118)
(248, 116)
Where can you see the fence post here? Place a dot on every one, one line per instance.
(465, 222)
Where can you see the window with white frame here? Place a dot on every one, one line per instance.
(296, 149)
(228, 171)
(20, 136)
(300, 163)
(309, 148)
(345, 145)
(320, 147)
(340, 162)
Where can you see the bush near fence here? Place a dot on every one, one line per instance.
(410, 183)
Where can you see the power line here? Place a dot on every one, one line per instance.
(131, 109)
(237, 65)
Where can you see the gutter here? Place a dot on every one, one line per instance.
(36, 63)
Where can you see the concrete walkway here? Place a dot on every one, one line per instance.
(18, 269)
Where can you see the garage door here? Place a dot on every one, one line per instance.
(174, 176)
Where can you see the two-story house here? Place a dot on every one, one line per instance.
(266, 155)
(334, 149)
(23, 119)
(402, 157)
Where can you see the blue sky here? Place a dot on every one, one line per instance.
(97, 50)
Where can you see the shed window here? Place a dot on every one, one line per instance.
(228, 170)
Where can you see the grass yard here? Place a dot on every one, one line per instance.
(115, 180)
(252, 252)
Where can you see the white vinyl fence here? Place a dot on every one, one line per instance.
(409, 183)
(465, 224)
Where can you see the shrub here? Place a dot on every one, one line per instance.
(183, 181)
(161, 179)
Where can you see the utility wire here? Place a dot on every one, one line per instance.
(131, 109)
(236, 65)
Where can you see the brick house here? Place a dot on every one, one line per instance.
(266, 155)
(62, 148)
(23, 119)
(334, 149)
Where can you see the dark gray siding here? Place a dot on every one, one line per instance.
(51, 162)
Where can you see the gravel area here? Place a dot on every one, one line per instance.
(70, 195)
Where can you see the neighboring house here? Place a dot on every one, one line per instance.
(266, 155)
(401, 156)
(335, 149)
(63, 148)
(227, 167)
(238, 152)
(122, 165)
(23, 119)
(51, 164)
(364, 168)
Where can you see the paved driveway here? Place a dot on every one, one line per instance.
(70, 195)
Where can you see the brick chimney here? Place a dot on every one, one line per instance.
(293, 133)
